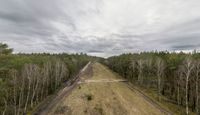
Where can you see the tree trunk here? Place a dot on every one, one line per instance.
(21, 96)
(14, 92)
(186, 95)
(140, 69)
(197, 96)
(34, 89)
(4, 111)
(178, 95)
(27, 98)
(159, 88)
(160, 66)
(187, 70)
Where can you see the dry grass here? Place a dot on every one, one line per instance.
(177, 110)
(105, 98)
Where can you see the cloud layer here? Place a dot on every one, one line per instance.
(100, 27)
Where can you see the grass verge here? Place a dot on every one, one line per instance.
(174, 108)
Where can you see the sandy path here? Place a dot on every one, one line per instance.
(105, 93)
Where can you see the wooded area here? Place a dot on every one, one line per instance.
(174, 75)
(27, 79)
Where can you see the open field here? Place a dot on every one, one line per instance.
(104, 98)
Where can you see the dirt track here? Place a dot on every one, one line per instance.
(100, 92)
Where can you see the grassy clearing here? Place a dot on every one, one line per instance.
(104, 98)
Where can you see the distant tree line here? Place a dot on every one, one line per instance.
(174, 75)
(28, 79)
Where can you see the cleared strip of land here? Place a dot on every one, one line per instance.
(102, 92)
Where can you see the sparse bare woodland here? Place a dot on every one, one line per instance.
(33, 81)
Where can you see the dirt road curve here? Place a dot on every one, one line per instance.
(99, 91)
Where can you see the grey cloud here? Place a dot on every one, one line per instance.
(95, 51)
(183, 47)
(185, 36)
(99, 27)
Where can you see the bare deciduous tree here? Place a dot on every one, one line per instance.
(5, 103)
(178, 84)
(35, 76)
(160, 67)
(140, 68)
(149, 65)
(28, 73)
(21, 95)
(187, 69)
(5, 108)
(132, 67)
(14, 77)
(197, 71)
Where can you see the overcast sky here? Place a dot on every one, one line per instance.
(100, 27)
